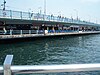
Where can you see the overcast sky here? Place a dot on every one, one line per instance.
(84, 9)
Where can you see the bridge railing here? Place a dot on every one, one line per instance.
(22, 32)
(8, 69)
(37, 16)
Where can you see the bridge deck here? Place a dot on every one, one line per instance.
(19, 17)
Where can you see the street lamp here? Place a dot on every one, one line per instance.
(76, 14)
(40, 11)
(89, 18)
(44, 7)
(96, 21)
(4, 5)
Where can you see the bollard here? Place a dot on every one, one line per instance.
(7, 65)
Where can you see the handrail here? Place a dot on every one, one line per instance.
(27, 69)
(1, 69)
(55, 68)
(24, 69)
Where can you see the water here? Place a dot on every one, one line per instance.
(55, 50)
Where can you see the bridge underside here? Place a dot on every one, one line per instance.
(18, 24)
(21, 21)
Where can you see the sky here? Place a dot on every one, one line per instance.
(88, 10)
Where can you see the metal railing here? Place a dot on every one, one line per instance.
(21, 32)
(37, 16)
(7, 69)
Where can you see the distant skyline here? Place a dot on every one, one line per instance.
(88, 10)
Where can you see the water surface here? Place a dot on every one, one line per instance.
(55, 50)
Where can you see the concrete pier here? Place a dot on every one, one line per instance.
(2, 37)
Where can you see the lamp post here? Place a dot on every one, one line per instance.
(44, 14)
(44, 7)
(4, 5)
(89, 18)
(76, 14)
(39, 10)
(96, 21)
(44, 10)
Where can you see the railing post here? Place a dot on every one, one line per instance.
(7, 65)
(37, 31)
(29, 31)
(11, 31)
(21, 15)
(21, 32)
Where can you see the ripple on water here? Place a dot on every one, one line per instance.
(66, 50)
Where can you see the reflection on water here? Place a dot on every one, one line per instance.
(56, 50)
